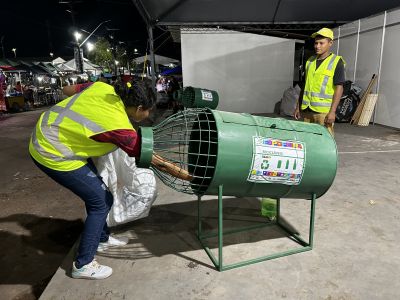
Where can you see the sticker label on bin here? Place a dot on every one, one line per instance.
(277, 161)
(206, 95)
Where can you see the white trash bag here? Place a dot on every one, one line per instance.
(134, 189)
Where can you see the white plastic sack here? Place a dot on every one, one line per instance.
(134, 189)
(289, 101)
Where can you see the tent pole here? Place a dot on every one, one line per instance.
(152, 58)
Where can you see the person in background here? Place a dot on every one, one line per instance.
(70, 90)
(159, 85)
(18, 87)
(3, 86)
(325, 76)
(28, 97)
(173, 86)
(90, 123)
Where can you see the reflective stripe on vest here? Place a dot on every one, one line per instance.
(309, 63)
(322, 94)
(51, 132)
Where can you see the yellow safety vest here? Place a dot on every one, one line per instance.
(61, 139)
(319, 88)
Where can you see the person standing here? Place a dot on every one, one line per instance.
(3, 86)
(325, 76)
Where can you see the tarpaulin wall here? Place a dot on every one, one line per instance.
(249, 71)
(369, 46)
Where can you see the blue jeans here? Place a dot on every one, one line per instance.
(85, 183)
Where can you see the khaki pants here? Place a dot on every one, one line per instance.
(313, 117)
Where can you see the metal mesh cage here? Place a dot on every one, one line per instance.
(189, 139)
(188, 97)
(192, 97)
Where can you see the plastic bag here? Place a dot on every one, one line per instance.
(289, 101)
(134, 189)
(348, 103)
(346, 108)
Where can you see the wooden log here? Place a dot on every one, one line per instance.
(368, 110)
(166, 166)
(360, 106)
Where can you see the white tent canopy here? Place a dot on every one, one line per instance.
(159, 59)
(70, 66)
(58, 61)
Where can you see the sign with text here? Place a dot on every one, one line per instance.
(277, 161)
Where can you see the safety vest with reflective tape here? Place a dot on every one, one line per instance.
(61, 139)
(319, 88)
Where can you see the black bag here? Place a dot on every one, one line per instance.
(348, 103)
(347, 88)
(347, 107)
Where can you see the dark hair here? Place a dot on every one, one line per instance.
(135, 93)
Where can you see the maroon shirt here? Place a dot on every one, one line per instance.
(126, 139)
(81, 86)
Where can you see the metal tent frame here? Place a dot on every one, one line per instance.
(266, 15)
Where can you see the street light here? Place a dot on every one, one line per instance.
(89, 46)
(116, 66)
(78, 53)
(84, 41)
(79, 56)
(15, 51)
(51, 54)
(77, 35)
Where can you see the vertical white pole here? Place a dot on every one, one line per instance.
(380, 65)
(358, 40)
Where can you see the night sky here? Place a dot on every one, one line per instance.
(37, 28)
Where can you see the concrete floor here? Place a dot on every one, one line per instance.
(39, 220)
(356, 242)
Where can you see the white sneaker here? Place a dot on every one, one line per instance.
(112, 242)
(92, 270)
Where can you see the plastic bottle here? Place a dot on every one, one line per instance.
(268, 208)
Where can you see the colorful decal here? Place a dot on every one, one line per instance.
(277, 161)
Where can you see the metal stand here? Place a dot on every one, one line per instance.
(218, 263)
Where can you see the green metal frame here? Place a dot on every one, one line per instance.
(218, 263)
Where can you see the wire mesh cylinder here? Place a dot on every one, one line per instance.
(192, 97)
(188, 139)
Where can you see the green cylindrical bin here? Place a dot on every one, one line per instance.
(249, 145)
(199, 98)
(146, 147)
(248, 155)
(177, 95)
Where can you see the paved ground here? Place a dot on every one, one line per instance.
(356, 235)
(39, 220)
